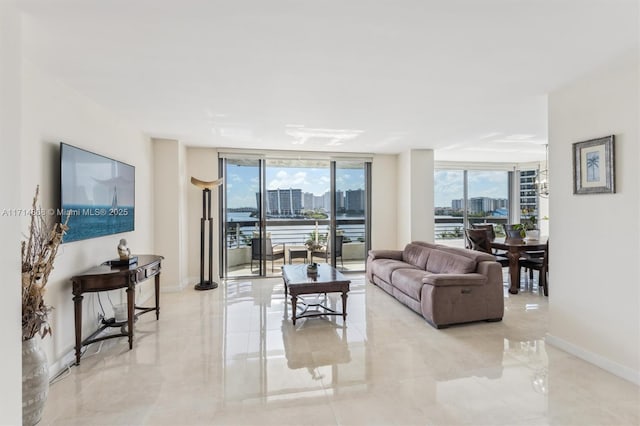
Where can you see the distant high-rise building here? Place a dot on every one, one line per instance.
(339, 200)
(479, 204)
(528, 195)
(307, 200)
(326, 200)
(500, 203)
(284, 202)
(318, 202)
(354, 200)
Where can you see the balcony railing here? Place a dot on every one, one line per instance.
(453, 227)
(292, 231)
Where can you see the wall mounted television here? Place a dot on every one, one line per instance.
(97, 192)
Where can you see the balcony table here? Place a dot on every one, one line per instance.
(298, 253)
(514, 249)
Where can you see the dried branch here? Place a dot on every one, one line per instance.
(38, 254)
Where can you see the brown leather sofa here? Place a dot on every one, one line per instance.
(447, 285)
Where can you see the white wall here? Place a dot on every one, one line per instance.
(594, 302)
(202, 163)
(415, 196)
(422, 202)
(10, 308)
(384, 199)
(403, 206)
(183, 182)
(168, 210)
(51, 113)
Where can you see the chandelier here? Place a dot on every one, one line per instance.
(542, 177)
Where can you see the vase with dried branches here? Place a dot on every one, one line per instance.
(38, 253)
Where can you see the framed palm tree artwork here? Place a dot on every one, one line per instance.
(593, 166)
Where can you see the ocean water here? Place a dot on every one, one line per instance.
(96, 221)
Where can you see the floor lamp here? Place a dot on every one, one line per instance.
(206, 217)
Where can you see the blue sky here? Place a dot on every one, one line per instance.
(242, 181)
(449, 185)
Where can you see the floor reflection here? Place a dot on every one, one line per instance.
(315, 343)
(233, 356)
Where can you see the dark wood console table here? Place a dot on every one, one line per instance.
(106, 277)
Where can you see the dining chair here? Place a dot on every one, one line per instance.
(272, 251)
(492, 235)
(479, 240)
(488, 227)
(540, 264)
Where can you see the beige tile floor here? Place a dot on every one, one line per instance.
(231, 356)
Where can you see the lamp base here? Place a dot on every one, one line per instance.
(206, 285)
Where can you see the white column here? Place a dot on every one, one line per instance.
(10, 123)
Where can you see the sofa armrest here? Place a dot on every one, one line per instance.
(444, 280)
(385, 254)
(491, 270)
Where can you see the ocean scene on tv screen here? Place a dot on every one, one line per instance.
(97, 192)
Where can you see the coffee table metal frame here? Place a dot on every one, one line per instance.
(298, 282)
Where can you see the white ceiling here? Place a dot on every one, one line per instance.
(467, 78)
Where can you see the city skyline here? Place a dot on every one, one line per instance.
(242, 182)
(449, 185)
(292, 201)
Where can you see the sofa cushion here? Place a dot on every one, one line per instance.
(445, 262)
(477, 256)
(409, 281)
(416, 255)
(383, 268)
(426, 244)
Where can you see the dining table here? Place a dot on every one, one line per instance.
(515, 249)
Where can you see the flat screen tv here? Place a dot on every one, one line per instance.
(97, 192)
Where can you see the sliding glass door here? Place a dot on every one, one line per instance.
(277, 211)
(351, 214)
(241, 211)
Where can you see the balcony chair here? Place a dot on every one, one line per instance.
(540, 264)
(479, 240)
(327, 254)
(273, 251)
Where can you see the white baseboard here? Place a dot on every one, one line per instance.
(58, 367)
(606, 364)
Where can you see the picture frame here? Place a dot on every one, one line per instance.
(593, 166)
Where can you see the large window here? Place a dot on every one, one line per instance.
(282, 210)
(463, 197)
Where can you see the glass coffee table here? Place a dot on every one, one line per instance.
(297, 282)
